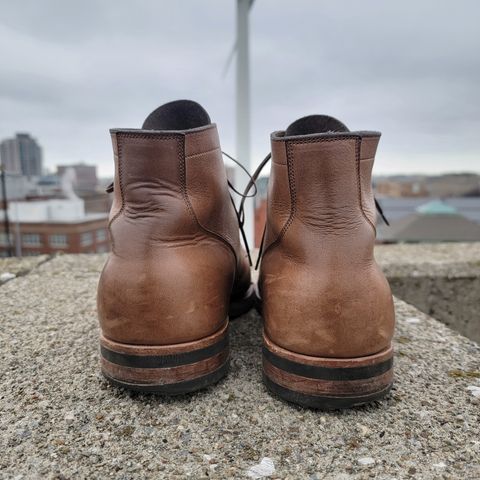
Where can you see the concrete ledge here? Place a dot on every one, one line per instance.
(442, 280)
(61, 419)
(430, 259)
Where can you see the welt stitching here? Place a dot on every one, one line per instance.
(183, 180)
(293, 189)
(291, 179)
(202, 153)
(293, 198)
(183, 177)
(326, 139)
(157, 136)
(120, 170)
(358, 141)
(120, 183)
(359, 183)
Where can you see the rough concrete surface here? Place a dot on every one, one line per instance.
(16, 267)
(61, 419)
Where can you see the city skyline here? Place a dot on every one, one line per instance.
(406, 71)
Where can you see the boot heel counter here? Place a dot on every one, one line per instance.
(174, 239)
(322, 314)
(166, 298)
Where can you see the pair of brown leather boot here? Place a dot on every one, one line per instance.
(177, 272)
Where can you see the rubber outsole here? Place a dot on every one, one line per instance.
(179, 388)
(166, 369)
(319, 402)
(326, 383)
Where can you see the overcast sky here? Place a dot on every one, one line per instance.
(69, 71)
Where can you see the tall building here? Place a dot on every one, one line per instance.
(21, 155)
(10, 157)
(85, 176)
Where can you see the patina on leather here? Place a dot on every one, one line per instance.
(322, 292)
(176, 256)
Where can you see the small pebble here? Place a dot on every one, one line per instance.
(69, 417)
(365, 461)
(263, 469)
(364, 431)
(474, 390)
(6, 276)
(412, 320)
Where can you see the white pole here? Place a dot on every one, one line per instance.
(243, 112)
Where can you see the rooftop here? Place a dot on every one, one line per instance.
(397, 208)
(436, 207)
(54, 210)
(61, 419)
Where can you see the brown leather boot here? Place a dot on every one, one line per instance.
(327, 307)
(176, 269)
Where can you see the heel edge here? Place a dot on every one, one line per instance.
(170, 369)
(326, 383)
(322, 402)
(173, 389)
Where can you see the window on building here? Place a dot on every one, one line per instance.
(59, 240)
(86, 239)
(3, 239)
(31, 239)
(101, 235)
(102, 249)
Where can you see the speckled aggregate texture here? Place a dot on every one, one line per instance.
(20, 266)
(60, 418)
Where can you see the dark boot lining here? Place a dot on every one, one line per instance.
(315, 124)
(177, 115)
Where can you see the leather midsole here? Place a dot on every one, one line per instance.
(337, 388)
(318, 376)
(164, 376)
(164, 365)
(330, 362)
(164, 349)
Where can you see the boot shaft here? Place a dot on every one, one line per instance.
(176, 268)
(176, 273)
(322, 292)
(320, 195)
(169, 187)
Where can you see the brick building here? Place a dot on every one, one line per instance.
(55, 225)
(85, 236)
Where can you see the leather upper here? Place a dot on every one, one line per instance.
(176, 255)
(323, 293)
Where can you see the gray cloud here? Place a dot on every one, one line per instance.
(71, 70)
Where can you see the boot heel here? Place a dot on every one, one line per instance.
(166, 369)
(326, 383)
